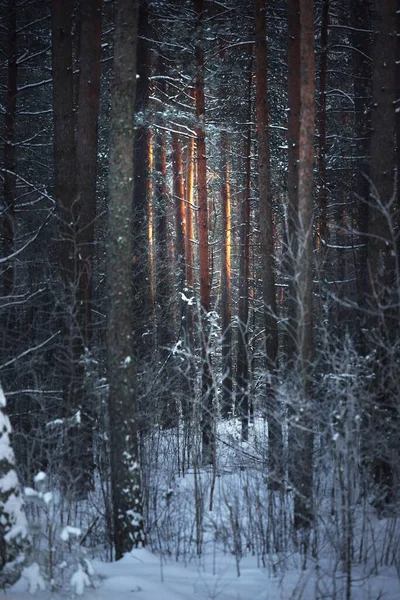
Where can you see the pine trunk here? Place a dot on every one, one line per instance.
(207, 388)
(125, 472)
(9, 178)
(303, 504)
(275, 442)
(226, 335)
(382, 297)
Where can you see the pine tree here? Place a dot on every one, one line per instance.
(125, 472)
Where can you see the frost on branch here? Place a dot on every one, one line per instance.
(14, 539)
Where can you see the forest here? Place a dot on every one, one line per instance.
(200, 297)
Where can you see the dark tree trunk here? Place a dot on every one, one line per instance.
(397, 83)
(71, 349)
(86, 156)
(242, 361)
(163, 288)
(163, 297)
(303, 504)
(179, 205)
(86, 169)
(9, 179)
(226, 393)
(292, 180)
(322, 225)
(382, 297)
(275, 442)
(362, 129)
(207, 389)
(189, 240)
(180, 270)
(141, 261)
(125, 473)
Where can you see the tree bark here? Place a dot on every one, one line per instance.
(86, 156)
(275, 445)
(207, 388)
(226, 335)
(362, 128)
(242, 360)
(71, 349)
(292, 178)
(303, 508)
(383, 294)
(322, 225)
(141, 259)
(125, 472)
(86, 169)
(9, 179)
(180, 266)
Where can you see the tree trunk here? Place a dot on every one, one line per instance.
(303, 509)
(362, 130)
(86, 169)
(163, 290)
(322, 225)
(242, 360)
(226, 335)
(179, 204)
(189, 243)
(292, 178)
(9, 179)
(275, 445)
(71, 349)
(125, 473)
(381, 250)
(180, 266)
(207, 389)
(141, 265)
(397, 83)
(86, 156)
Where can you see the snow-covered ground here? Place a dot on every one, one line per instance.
(141, 576)
(224, 553)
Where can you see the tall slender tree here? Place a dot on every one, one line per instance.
(9, 178)
(207, 388)
(362, 74)
(86, 172)
(303, 506)
(383, 285)
(275, 446)
(242, 359)
(322, 225)
(227, 385)
(125, 473)
(86, 156)
(293, 14)
(141, 254)
(65, 190)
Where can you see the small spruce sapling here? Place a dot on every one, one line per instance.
(15, 542)
(73, 560)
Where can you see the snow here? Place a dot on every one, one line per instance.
(34, 578)
(233, 565)
(79, 581)
(70, 531)
(3, 402)
(39, 477)
(142, 576)
(8, 481)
